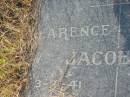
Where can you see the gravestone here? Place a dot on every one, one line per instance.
(83, 50)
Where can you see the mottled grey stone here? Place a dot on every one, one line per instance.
(50, 62)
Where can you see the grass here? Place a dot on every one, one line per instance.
(18, 43)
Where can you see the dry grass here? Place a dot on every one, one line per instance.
(17, 44)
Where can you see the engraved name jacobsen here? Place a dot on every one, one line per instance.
(99, 58)
(74, 32)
